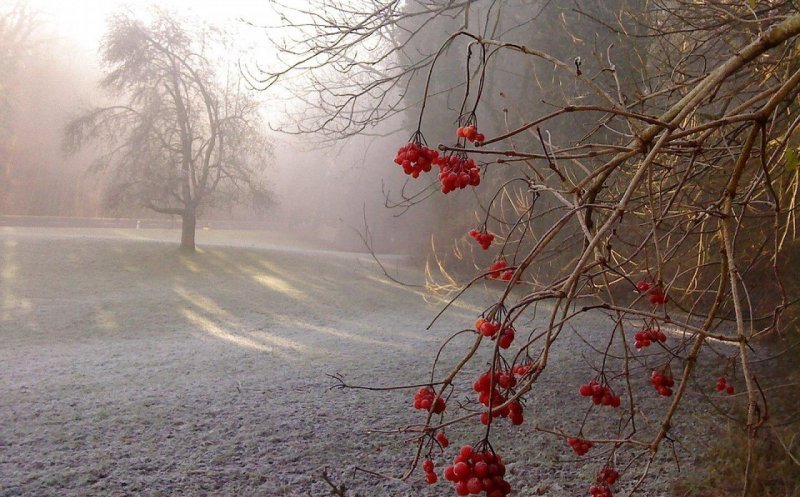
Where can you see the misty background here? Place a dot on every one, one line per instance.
(50, 73)
(326, 186)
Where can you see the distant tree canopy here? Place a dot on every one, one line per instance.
(17, 26)
(38, 87)
(181, 137)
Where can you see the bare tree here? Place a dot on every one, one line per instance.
(182, 137)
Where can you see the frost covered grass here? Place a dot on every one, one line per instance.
(131, 369)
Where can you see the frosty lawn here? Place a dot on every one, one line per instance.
(130, 369)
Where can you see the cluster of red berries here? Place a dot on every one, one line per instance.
(442, 439)
(483, 238)
(607, 475)
(663, 383)
(487, 328)
(656, 293)
(522, 369)
(457, 171)
(722, 384)
(600, 394)
(600, 491)
(474, 472)
(497, 271)
(490, 393)
(579, 445)
(513, 412)
(645, 337)
(430, 476)
(606, 478)
(471, 134)
(424, 399)
(415, 158)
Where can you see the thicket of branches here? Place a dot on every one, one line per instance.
(651, 174)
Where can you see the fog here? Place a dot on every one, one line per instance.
(237, 236)
(322, 189)
(329, 186)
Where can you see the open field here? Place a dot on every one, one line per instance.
(130, 369)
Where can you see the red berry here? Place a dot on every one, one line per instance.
(470, 133)
(484, 239)
(481, 469)
(607, 475)
(503, 380)
(475, 485)
(489, 328)
(495, 268)
(424, 400)
(462, 470)
(506, 337)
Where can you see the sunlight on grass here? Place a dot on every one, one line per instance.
(203, 303)
(279, 285)
(190, 264)
(8, 275)
(310, 281)
(256, 340)
(274, 345)
(678, 332)
(327, 330)
(106, 320)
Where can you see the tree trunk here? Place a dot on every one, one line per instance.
(189, 218)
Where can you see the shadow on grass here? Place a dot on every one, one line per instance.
(283, 302)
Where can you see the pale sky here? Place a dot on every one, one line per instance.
(81, 24)
(83, 21)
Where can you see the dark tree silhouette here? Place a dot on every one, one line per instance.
(180, 138)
